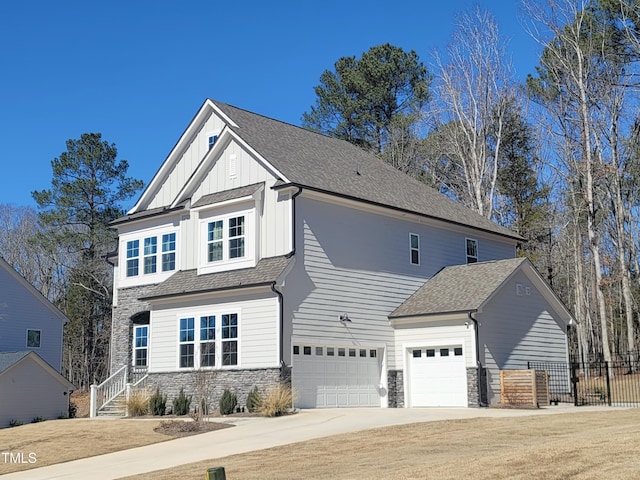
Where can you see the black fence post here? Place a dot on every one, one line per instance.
(574, 382)
(606, 369)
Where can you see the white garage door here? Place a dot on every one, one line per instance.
(438, 377)
(325, 376)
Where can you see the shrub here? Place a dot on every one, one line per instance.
(181, 403)
(254, 400)
(138, 402)
(15, 423)
(278, 401)
(228, 402)
(73, 410)
(38, 419)
(158, 403)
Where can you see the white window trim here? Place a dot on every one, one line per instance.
(39, 337)
(466, 255)
(411, 249)
(134, 348)
(218, 341)
(250, 233)
(146, 278)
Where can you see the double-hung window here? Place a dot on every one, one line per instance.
(226, 241)
(150, 251)
(187, 342)
(140, 345)
(168, 252)
(133, 250)
(208, 341)
(230, 339)
(150, 255)
(414, 248)
(33, 338)
(472, 250)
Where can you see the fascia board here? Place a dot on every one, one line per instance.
(174, 154)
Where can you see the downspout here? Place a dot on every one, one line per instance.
(281, 313)
(478, 363)
(293, 223)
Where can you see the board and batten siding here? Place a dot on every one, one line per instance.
(258, 327)
(20, 310)
(197, 148)
(516, 329)
(27, 391)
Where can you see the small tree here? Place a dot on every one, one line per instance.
(158, 403)
(254, 400)
(228, 402)
(181, 403)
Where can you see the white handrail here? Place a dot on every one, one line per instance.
(108, 390)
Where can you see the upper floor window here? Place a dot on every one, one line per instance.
(133, 250)
(158, 254)
(226, 239)
(168, 252)
(472, 250)
(33, 338)
(212, 140)
(414, 248)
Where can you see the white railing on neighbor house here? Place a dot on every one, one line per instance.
(115, 385)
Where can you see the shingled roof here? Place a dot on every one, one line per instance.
(188, 282)
(460, 288)
(8, 359)
(323, 163)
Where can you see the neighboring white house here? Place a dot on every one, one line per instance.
(30, 352)
(262, 252)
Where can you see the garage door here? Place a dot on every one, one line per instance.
(438, 377)
(327, 376)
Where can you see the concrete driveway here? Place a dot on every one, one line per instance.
(259, 433)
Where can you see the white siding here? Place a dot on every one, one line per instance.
(433, 334)
(28, 390)
(189, 160)
(358, 262)
(258, 330)
(515, 329)
(20, 310)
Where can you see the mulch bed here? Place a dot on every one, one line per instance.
(181, 428)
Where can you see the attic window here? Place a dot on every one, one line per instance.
(212, 141)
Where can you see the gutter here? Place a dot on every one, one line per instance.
(478, 363)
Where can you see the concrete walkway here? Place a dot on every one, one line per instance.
(252, 434)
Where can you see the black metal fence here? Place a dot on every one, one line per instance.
(615, 383)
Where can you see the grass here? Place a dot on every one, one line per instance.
(57, 441)
(577, 445)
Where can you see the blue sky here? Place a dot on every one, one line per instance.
(138, 70)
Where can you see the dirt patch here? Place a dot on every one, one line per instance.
(181, 428)
(81, 399)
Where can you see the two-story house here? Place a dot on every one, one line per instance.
(262, 252)
(30, 352)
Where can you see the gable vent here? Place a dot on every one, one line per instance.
(232, 165)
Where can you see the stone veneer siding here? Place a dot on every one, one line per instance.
(477, 387)
(395, 383)
(121, 326)
(211, 383)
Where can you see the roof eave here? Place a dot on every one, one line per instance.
(208, 290)
(514, 236)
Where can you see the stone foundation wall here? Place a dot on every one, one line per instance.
(211, 383)
(395, 382)
(121, 326)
